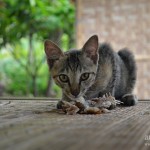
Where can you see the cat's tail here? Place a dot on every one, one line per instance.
(129, 61)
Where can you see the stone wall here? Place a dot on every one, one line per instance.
(122, 23)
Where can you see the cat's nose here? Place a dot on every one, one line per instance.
(75, 92)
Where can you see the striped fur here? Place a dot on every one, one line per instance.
(107, 71)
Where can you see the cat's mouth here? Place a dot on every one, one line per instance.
(72, 97)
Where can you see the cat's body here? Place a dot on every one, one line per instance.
(93, 71)
(116, 73)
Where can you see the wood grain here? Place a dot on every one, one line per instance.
(35, 125)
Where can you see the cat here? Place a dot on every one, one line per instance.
(92, 71)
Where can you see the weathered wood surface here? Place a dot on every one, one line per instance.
(34, 125)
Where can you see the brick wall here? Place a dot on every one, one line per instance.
(123, 23)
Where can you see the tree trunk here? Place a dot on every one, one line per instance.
(35, 93)
(49, 91)
(30, 54)
(32, 66)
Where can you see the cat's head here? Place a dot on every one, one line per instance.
(75, 70)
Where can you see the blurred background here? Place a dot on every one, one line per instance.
(24, 25)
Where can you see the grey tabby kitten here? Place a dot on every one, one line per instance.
(92, 71)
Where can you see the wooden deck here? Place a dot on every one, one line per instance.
(34, 125)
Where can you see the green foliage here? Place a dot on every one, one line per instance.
(24, 25)
(43, 18)
(16, 84)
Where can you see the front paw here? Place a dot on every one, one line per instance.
(112, 106)
(59, 105)
(129, 100)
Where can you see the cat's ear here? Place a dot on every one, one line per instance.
(53, 52)
(90, 48)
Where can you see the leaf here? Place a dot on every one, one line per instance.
(32, 2)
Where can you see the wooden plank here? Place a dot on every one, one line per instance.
(28, 124)
(28, 98)
(142, 58)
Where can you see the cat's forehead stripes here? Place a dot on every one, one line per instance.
(72, 61)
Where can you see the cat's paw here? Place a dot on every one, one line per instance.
(59, 105)
(112, 106)
(129, 100)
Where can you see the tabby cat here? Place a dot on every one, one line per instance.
(92, 71)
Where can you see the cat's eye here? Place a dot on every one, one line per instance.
(63, 78)
(84, 76)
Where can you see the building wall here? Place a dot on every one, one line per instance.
(122, 23)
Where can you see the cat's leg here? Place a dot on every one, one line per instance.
(130, 65)
(59, 105)
(129, 100)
